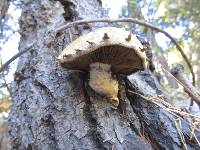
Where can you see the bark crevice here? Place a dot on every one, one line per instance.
(157, 123)
(70, 9)
(141, 131)
(148, 129)
(91, 117)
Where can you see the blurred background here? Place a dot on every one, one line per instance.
(180, 18)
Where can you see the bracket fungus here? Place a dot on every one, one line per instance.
(104, 52)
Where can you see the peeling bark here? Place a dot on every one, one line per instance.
(54, 108)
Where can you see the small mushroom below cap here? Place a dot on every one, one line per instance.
(121, 54)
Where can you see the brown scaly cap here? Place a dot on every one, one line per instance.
(109, 45)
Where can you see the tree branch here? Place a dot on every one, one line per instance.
(139, 23)
(4, 66)
(193, 92)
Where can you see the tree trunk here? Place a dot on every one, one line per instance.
(54, 108)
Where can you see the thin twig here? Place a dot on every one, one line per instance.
(139, 23)
(4, 66)
(192, 94)
(193, 120)
(165, 105)
(196, 139)
(5, 84)
(178, 127)
(192, 132)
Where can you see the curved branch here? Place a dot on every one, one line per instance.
(136, 22)
(4, 66)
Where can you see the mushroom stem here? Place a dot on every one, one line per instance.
(102, 82)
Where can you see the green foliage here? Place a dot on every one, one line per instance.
(4, 105)
(156, 48)
(4, 100)
(187, 13)
(179, 13)
(133, 3)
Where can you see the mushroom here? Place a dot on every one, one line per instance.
(104, 52)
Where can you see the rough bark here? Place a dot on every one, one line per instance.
(54, 108)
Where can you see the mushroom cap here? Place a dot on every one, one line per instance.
(108, 45)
